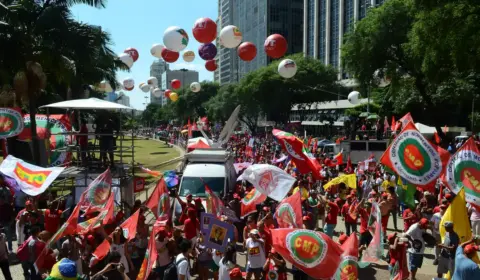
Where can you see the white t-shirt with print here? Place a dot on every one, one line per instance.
(183, 268)
(416, 233)
(256, 253)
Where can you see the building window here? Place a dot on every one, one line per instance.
(310, 27)
(322, 14)
(334, 33)
(348, 16)
(363, 8)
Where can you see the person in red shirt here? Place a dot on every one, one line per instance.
(266, 235)
(185, 206)
(52, 219)
(350, 221)
(331, 220)
(82, 140)
(364, 213)
(191, 225)
(409, 218)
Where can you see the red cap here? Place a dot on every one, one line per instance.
(236, 196)
(273, 251)
(90, 238)
(342, 238)
(198, 199)
(189, 196)
(443, 207)
(385, 195)
(423, 222)
(306, 218)
(28, 202)
(448, 196)
(391, 237)
(191, 210)
(266, 209)
(236, 272)
(470, 248)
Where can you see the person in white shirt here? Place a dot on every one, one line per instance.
(435, 220)
(475, 219)
(415, 251)
(255, 255)
(182, 262)
(226, 263)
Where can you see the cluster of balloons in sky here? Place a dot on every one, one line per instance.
(175, 40)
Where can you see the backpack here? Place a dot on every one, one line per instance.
(171, 270)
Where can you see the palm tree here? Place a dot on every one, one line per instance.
(42, 41)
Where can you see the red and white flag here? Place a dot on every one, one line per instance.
(269, 180)
(289, 212)
(150, 172)
(404, 121)
(348, 267)
(95, 197)
(104, 217)
(250, 202)
(159, 201)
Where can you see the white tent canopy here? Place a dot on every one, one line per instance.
(89, 103)
(425, 129)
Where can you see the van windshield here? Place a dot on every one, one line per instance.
(195, 186)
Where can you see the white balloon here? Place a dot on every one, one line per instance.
(175, 38)
(287, 68)
(188, 56)
(126, 59)
(144, 87)
(230, 36)
(128, 83)
(195, 87)
(153, 82)
(156, 50)
(354, 97)
(157, 92)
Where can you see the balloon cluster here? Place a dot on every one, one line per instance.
(129, 56)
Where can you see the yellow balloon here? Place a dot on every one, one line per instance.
(173, 96)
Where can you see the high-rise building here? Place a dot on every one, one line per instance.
(111, 96)
(327, 22)
(257, 19)
(185, 76)
(157, 68)
(123, 99)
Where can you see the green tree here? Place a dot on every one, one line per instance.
(192, 104)
(388, 43)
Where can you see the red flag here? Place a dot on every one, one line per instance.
(105, 217)
(349, 168)
(385, 125)
(289, 212)
(295, 148)
(400, 270)
(250, 202)
(404, 121)
(95, 197)
(337, 160)
(129, 230)
(150, 256)
(194, 126)
(393, 126)
(414, 158)
(189, 129)
(315, 146)
(313, 252)
(436, 138)
(214, 203)
(348, 268)
(309, 142)
(159, 201)
(462, 171)
(68, 228)
(374, 251)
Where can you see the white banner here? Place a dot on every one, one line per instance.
(32, 180)
(269, 180)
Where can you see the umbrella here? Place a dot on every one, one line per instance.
(372, 117)
(363, 115)
(171, 178)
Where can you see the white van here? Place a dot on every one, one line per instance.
(213, 167)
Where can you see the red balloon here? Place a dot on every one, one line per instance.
(211, 65)
(247, 51)
(132, 52)
(275, 46)
(167, 93)
(169, 56)
(176, 84)
(204, 30)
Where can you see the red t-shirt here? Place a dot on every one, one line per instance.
(408, 222)
(364, 215)
(190, 228)
(52, 220)
(266, 235)
(332, 214)
(346, 213)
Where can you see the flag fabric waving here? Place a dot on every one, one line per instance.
(289, 212)
(129, 230)
(104, 217)
(150, 256)
(269, 180)
(150, 172)
(414, 158)
(11, 122)
(295, 148)
(31, 179)
(406, 192)
(215, 205)
(349, 168)
(95, 197)
(393, 126)
(337, 159)
(348, 267)
(404, 121)
(250, 201)
(457, 213)
(159, 201)
(374, 251)
(350, 180)
(68, 228)
(189, 127)
(463, 171)
(313, 252)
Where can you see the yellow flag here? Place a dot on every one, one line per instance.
(458, 214)
(350, 180)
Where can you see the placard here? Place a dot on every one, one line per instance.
(218, 232)
(138, 184)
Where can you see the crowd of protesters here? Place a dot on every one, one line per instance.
(182, 255)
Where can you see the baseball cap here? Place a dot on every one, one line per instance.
(189, 196)
(342, 238)
(391, 237)
(443, 207)
(423, 222)
(448, 196)
(470, 248)
(236, 196)
(306, 218)
(198, 199)
(28, 202)
(236, 272)
(448, 224)
(385, 195)
(254, 231)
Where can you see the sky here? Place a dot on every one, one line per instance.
(140, 24)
